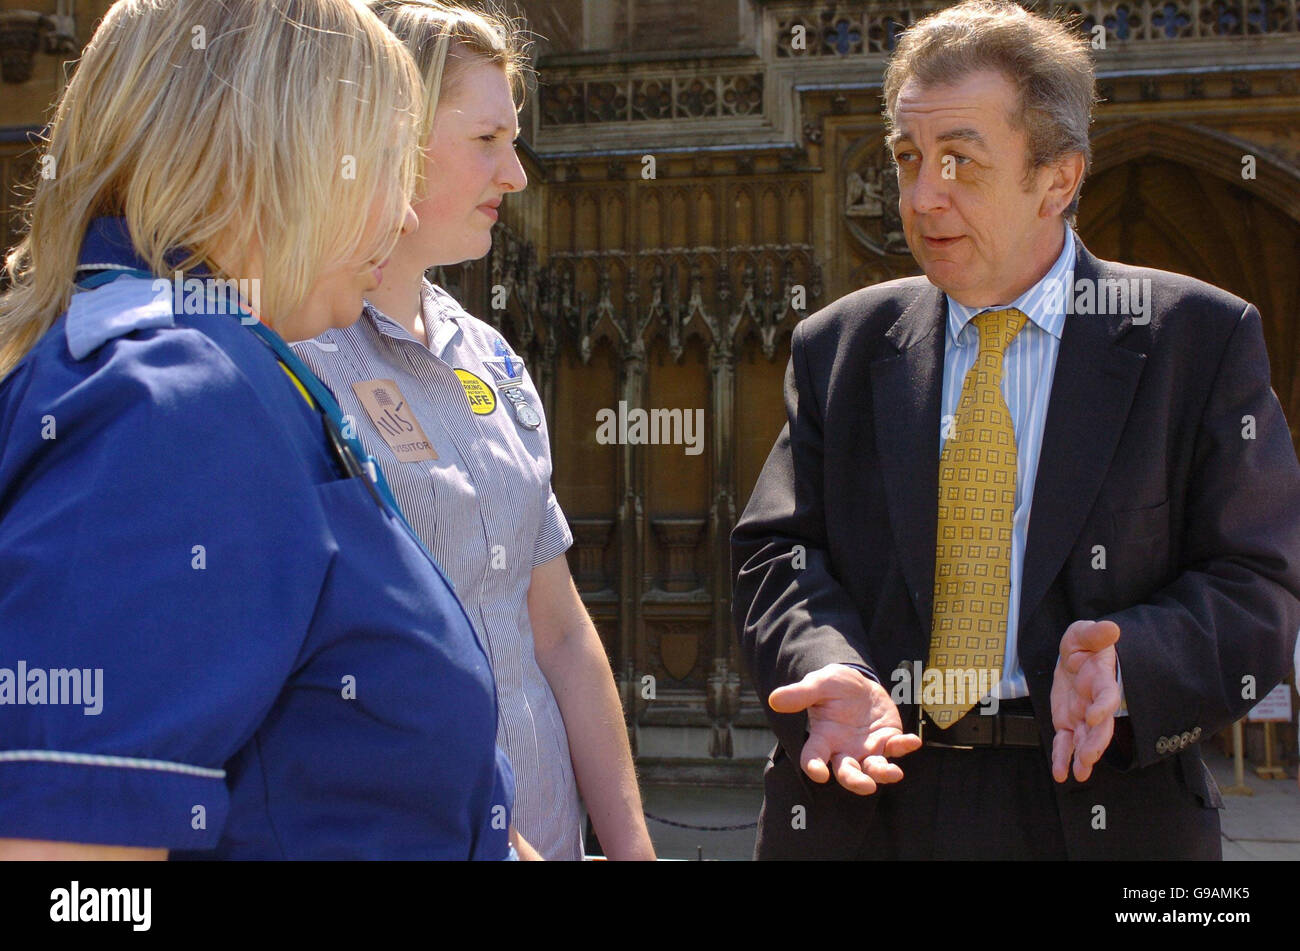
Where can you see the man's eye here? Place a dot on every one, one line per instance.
(490, 137)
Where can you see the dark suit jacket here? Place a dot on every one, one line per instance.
(1144, 451)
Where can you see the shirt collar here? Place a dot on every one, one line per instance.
(385, 325)
(122, 306)
(441, 319)
(1043, 303)
(107, 245)
(440, 322)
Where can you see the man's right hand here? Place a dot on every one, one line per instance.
(852, 725)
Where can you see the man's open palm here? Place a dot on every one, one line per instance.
(852, 726)
(1085, 697)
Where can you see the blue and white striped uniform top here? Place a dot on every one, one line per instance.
(1028, 368)
(484, 507)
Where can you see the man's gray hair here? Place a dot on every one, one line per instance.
(1048, 61)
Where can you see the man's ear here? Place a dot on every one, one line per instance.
(1066, 174)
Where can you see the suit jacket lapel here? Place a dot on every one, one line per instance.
(1092, 392)
(907, 388)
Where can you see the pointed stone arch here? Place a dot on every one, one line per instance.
(1170, 195)
(1202, 147)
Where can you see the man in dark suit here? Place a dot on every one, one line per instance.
(1078, 657)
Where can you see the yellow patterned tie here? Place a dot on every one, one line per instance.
(972, 555)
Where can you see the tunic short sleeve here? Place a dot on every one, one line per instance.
(553, 536)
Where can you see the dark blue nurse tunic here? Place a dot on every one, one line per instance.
(283, 670)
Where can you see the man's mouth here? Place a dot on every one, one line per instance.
(937, 243)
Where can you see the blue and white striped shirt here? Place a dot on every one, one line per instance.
(1028, 368)
(475, 485)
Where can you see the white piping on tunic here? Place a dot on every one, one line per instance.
(121, 762)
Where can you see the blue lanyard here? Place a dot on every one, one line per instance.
(355, 459)
(352, 456)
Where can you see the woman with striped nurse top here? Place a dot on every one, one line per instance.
(184, 523)
(450, 412)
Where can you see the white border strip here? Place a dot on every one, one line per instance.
(122, 762)
(108, 267)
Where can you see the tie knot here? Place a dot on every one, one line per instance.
(998, 328)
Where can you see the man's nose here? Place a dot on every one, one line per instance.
(930, 190)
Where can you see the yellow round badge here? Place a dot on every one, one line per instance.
(482, 399)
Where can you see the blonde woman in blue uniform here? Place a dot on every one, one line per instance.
(185, 525)
(450, 412)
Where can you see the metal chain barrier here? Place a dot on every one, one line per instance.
(687, 825)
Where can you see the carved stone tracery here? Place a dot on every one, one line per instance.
(872, 28)
(21, 32)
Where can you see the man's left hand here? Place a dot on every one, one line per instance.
(1085, 697)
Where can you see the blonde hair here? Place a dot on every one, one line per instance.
(1046, 60)
(220, 126)
(446, 37)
